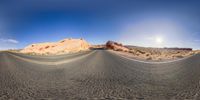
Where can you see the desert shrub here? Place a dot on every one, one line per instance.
(126, 51)
(147, 54)
(191, 53)
(159, 59)
(46, 47)
(137, 53)
(131, 51)
(149, 58)
(178, 56)
(142, 52)
(118, 49)
(31, 53)
(48, 53)
(62, 41)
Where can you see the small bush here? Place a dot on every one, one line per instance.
(131, 51)
(142, 52)
(179, 56)
(149, 58)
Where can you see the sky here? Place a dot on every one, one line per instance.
(149, 23)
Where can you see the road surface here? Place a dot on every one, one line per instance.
(97, 74)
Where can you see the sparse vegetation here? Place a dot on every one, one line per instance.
(158, 54)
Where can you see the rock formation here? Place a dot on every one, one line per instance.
(116, 46)
(60, 47)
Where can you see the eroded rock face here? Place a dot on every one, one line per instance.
(116, 46)
(60, 47)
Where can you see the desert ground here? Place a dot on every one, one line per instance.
(156, 54)
(149, 53)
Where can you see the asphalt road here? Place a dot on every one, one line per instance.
(97, 74)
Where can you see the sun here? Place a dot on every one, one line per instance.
(159, 40)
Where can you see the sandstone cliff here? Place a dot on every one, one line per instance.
(60, 47)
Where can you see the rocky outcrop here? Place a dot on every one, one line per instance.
(116, 46)
(60, 47)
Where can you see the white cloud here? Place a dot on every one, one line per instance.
(13, 41)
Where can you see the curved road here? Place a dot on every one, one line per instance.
(98, 74)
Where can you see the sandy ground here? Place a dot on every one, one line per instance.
(155, 58)
(157, 54)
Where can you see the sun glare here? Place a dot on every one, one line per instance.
(159, 40)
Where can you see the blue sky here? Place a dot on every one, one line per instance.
(133, 22)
